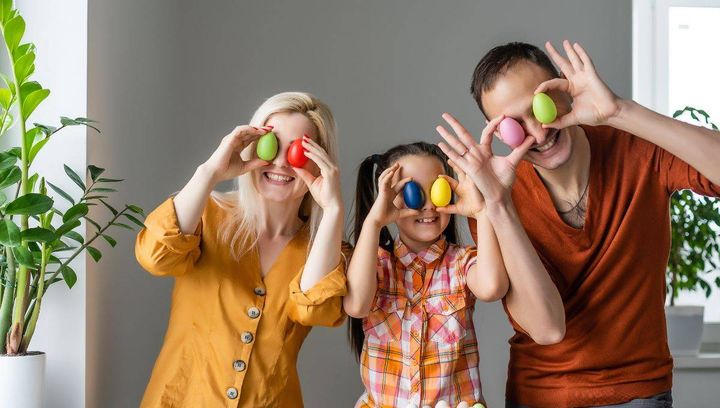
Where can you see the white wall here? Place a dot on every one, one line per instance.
(59, 30)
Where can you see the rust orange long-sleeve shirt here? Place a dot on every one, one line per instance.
(610, 274)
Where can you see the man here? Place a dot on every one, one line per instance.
(593, 193)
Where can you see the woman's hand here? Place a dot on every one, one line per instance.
(325, 188)
(468, 200)
(385, 210)
(593, 102)
(493, 175)
(225, 163)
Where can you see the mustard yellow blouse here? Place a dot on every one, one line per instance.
(233, 337)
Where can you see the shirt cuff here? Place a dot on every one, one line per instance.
(163, 225)
(334, 284)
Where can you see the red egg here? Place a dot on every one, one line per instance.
(296, 154)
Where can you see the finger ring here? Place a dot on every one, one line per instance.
(464, 153)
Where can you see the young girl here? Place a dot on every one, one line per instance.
(254, 268)
(416, 293)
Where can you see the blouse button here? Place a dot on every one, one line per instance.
(247, 337)
(232, 393)
(253, 312)
(239, 365)
(260, 291)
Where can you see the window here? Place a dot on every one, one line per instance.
(675, 64)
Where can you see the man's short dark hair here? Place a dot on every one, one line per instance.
(501, 58)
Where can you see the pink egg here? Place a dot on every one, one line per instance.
(511, 132)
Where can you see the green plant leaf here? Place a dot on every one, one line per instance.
(109, 207)
(24, 257)
(135, 220)
(29, 87)
(8, 120)
(68, 226)
(62, 193)
(136, 209)
(65, 121)
(75, 236)
(33, 100)
(94, 171)
(29, 204)
(5, 98)
(3, 198)
(9, 233)
(103, 190)
(24, 66)
(38, 235)
(68, 275)
(23, 49)
(109, 180)
(110, 240)
(10, 176)
(95, 224)
(14, 30)
(47, 130)
(121, 225)
(76, 212)
(74, 177)
(7, 160)
(94, 252)
(36, 149)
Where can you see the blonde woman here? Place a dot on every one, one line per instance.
(254, 268)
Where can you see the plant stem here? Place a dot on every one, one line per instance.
(22, 273)
(30, 330)
(85, 245)
(6, 307)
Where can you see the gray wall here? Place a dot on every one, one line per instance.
(167, 79)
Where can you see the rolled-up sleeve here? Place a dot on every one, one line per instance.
(162, 248)
(321, 305)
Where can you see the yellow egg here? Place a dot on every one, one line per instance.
(440, 192)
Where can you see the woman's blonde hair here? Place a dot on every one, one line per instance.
(240, 230)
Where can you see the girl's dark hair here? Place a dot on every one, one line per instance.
(365, 195)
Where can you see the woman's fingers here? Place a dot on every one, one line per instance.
(558, 84)
(452, 140)
(559, 60)
(305, 176)
(448, 209)
(463, 134)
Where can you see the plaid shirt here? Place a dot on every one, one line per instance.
(420, 345)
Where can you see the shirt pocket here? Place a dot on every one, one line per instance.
(447, 318)
(384, 322)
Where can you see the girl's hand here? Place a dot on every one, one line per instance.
(493, 175)
(385, 210)
(468, 200)
(325, 188)
(593, 102)
(225, 163)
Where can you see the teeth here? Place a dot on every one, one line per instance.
(426, 220)
(547, 145)
(279, 177)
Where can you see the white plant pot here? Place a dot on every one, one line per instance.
(22, 380)
(684, 326)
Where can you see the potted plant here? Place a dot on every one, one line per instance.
(38, 240)
(693, 256)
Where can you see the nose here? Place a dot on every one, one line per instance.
(280, 159)
(534, 128)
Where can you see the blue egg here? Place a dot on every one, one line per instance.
(413, 195)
